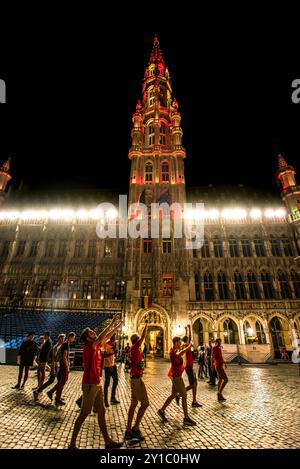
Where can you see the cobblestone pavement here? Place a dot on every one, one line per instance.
(261, 411)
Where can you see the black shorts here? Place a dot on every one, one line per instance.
(191, 375)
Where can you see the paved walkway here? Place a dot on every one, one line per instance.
(262, 411)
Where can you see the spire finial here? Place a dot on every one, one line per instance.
(156, 54)
(5, 167)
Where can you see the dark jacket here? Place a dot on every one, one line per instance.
(45, 351)
(28, 350)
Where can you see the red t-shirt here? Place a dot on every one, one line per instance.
(136, 358)
(91, 363)
(177, 367)
(217, 355)
(189, 358)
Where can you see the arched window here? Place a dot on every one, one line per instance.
(267, 284)
(151, 70)
(276, 333)
(295, 277)
(162, 135)
(287, 246)
(233, 247)
(223, 286)
(208, 287)
(230, 332)
(165, 172)
(197, 287)
(218, 248)
(259, 246)
(261, 336)
(253, 286)
(240, 291)
(151, 96)
(275, 246)
(148, 172)
(285, 289)
(246, 247)
(205, 248)
(150, 135)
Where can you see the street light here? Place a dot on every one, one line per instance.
(179, 330)
(250, 331)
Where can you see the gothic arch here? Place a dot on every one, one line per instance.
(157, 317)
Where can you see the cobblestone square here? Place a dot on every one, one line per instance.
(261, 411)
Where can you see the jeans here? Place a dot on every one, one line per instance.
(110, 372)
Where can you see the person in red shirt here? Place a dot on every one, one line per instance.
(189, 368)
(219, 364)
(178, 387)
(91, 382)
(138, 388)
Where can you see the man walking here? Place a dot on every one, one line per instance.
(55, 359)
(28, 350)
(219, 364)
(91, 382)
(64, 370)
(178, 386)
(138, 388)
(211, 368)
(189, 366)
(44, 355)
(110, 370)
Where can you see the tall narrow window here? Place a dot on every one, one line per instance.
(121, 248)
(230, 332)
(11, 287)
(78, 251)
(253, 286)
(72, 289)
(162, 135)
(92, 248)
(148, 172)
(295, 277)
(5, 248)
(165, 172)
(218, 248)
(285, 289)
(62, 249)
(26, 287)
(287, 246)
(268, 287)
(259, 246)
(20, 248)
(150, 135)
(205, 252)
(104, 289)
(49, 251)
(167, 246)
(246, 248)
(146, 287)
(233, 247)
(87, 289)
(147, 246)
(120, 289)
(167, 284)
(151, 96)
(240, 291)
(223, 286)
(261, 336)
(33, 248)
(208, 286)
(42, 289)
(275, 246)
(107, 249)
(56, 284)
(197, 287)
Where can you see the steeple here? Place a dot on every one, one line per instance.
(290, 190)
(156, 54)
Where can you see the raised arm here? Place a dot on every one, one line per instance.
(185, 349)
(109, 330)
(144, 332)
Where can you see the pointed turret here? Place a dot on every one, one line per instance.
(290, 190)
(156, 54)
(5, 177)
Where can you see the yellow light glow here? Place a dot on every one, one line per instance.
(269, 213)
(255, 213)
(111, 214)
(280, 213)
(234, 213)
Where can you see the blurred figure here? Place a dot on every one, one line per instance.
(202, 371)
(44, 355)
(110, 370)
(219, 365)
(28, 350)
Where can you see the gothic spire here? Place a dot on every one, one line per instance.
(156, 54)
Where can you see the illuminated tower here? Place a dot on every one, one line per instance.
(5, 177)
(290, 190)
(157, 269)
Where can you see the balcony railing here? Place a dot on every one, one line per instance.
(60, 303)
(244, 305)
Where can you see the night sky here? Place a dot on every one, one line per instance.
(71, 95)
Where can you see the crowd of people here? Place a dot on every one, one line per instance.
(99, 358)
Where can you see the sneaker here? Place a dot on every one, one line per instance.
(72, 447)
(16, 387)
(35, 395)
(161, 413)
(23, 386)
(114, 445)
(114, 402)
(177, 399)
(221, 398)
(49, 394)
(137, 435)
(189, 421)
(79, 402)
(196, 404)
(106, 404)
(128, 435)
(208, 382)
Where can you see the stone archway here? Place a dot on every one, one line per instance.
(158, 335)
(202, 329)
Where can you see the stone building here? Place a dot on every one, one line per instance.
(242, 284)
